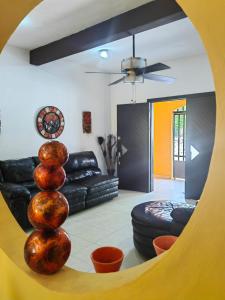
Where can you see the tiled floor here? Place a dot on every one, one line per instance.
(110, 224)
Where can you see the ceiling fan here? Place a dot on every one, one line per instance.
(135, 70)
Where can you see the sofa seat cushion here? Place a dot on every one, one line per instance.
(72, 188)
(80, 160)
(74, 193)
(99, 183)
(106, 191)
(79, 175)
(17, 171)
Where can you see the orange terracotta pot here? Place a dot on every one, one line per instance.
(107, 259)
(163, 243)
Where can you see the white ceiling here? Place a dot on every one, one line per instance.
(166, 43)
(55, 19)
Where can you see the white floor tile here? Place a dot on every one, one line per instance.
(110, 224)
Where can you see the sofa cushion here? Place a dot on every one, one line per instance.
(72, 188)
(100, 182)
(29, 184)
(107, 191)
(79, 175)
(17, 171)
(74, 193)
(99, 185)
(80, 160)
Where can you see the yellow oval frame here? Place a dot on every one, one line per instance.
(195, 267)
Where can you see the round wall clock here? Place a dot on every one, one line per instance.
(50, 122)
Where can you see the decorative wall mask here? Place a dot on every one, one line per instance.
(86, 122)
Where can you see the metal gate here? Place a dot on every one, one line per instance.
(179, 141)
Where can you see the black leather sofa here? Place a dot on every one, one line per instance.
(85, 185)
(155, 218)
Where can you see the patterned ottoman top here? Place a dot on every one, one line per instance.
(163, 209)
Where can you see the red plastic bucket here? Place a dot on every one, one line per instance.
(107, 259)
(163, 243)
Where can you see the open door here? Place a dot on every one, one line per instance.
(200, 134)
(134, 133)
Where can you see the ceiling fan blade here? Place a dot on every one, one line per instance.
(109, 73)
(160, 78)
(152, 68)
(117, 81)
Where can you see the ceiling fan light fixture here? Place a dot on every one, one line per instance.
(133, 63)
(132, 78)
(135, 69)
(104, 53)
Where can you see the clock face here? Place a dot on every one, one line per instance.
(50, 122)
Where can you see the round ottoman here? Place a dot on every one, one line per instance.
(149, 220)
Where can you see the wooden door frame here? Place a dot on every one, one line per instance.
(179, 97)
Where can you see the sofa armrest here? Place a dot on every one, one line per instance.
(13, 191)
(17, 198)
(182, 214)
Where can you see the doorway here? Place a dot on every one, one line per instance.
(168, 138)
(169, 148)
(136, 133)
(198, 140)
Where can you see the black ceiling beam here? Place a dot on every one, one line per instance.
(145, 17)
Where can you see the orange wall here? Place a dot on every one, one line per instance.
(163, 136)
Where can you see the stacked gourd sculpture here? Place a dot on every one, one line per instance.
(48, 247)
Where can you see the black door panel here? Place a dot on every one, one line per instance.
(133, 131)
(200, 133)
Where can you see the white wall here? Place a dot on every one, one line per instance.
(193, 75)
(25, 89)
(93, 91)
